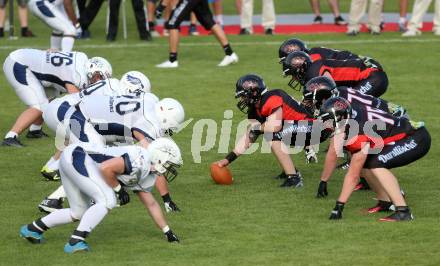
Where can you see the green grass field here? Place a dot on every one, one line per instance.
(253, 221)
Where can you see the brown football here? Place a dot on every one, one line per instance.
(221, 175)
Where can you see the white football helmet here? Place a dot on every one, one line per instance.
(80, 75)
(170, 114)
(165, 156)
(98, 65)
(135, 82)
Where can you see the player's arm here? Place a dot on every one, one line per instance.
(71, 88)
(331, 160)
(68, 6)
(156, 214)
(274, 122)
(350, 180)
(245, 141)
(143, 141)
(110, 169)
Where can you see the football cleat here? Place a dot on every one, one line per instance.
(79, 246)
(228, 60)
(362, 185)
(244, 31)
(31, 236)
(398, 216)
(280, 176)
(340, 21)
(36, 134)
(170, 206)
(352, 33)
(411, 33)
(193, 30)
(50, 205)
(50, 175)
(168, 64)
(12, 142)
(381, 206)
(295, 181)
(344, 165)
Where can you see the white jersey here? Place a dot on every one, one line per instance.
(137, 176)
(107, 87)
(54, 69)
(116, 117)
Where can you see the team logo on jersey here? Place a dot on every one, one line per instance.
(365, 88)
(397, 151)
(134, 81)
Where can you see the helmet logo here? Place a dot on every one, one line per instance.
(340, 105)
(134, 80)
(250, 84)
(291, 48)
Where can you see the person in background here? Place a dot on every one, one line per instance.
(238, 6)
(403, 10)
(217, 7)
(416, 22)
(22, 14)
(151, 8)
(138, 8)
(334, 5)
(87, 14)
(357, 11)
(247, 8)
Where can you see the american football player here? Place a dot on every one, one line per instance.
(37, 76)
(120, 120)
(103, 175)
(366, 77)
(377, 142)
(61, 17)
(279, 117)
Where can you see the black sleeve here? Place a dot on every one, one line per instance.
(127, 164)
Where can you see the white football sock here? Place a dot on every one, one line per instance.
(53, 164)
(219, 19)
(11, 134)
(402, 20)
(92, 217)
(58, 217)
(35, 127)
(58, 194)
(55, 42)
(67, 43)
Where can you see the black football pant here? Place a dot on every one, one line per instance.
(375, 85)
(138, 8)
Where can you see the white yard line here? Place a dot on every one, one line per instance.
(258, 43)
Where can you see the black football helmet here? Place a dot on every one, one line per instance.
(316, 91)
(336, 109)
(296, 65)
(248, 90)
(289, 46)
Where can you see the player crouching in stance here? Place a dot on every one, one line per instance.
(268, 112)
(102, 175)
(377, 142)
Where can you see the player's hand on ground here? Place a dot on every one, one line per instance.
(170, 206)
(171, 237)
(322, 190)
(123, 196)
(222, 163)
(336, 213)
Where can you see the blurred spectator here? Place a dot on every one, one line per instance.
(87, 15)
(416, 22)
(357, 11)
(218, 11)
(151, 9)
(334, 6)
(247, 8)
(139, 14)
(22, 14)
(238, 6)
(403, 10)
(193, 25)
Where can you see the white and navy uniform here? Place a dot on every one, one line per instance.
(112, 119)
(37, 75)
(52, 13)
(83, 181)
(56, 110)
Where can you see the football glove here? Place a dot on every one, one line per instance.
(159, 10)
(170, 206)
(78, 30)
(171, 237)
(336, 213)
(123, 196)
(322, 190)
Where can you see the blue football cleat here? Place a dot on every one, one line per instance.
(80, 246)
(33, 237)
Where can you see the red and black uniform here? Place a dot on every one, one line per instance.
(319, 53)
(298, 124)
(353, 73)
(393, 141)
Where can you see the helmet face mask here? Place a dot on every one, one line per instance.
(97, 69)
(249, 89)
(335, 110)
(296, 65)
(165, 158)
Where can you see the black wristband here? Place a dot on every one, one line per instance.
(231, 157)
